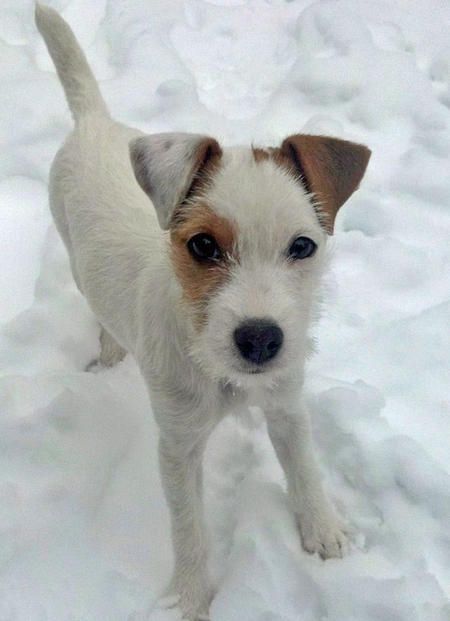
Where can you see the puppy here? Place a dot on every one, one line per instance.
(204, 262)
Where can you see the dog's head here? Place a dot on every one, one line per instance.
(248, 229)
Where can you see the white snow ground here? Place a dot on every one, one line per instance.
(83, 526)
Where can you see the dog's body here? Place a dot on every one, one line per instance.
(216, 310)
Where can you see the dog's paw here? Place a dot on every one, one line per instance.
(94, 366)
(323, 533)
(192, 597)
(111, 353)
(105, 362)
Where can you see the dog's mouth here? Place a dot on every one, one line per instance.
(244, 370)
(257, 371)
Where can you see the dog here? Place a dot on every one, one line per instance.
(205, 264)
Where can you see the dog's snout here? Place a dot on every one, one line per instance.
(258, 341)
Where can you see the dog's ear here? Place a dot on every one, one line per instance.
(331, 169)
(168, 165)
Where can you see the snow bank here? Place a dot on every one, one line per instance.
(83, 525)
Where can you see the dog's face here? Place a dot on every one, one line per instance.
(248, 230)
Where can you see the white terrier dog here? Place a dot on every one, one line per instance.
(203, 262)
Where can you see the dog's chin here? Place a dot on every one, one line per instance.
(253, 377)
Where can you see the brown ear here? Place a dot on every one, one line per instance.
(331, 169)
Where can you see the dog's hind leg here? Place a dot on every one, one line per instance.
(111, 352)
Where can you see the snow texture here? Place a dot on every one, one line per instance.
(83, 525)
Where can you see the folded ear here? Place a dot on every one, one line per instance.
(331, 169)
(168, 165)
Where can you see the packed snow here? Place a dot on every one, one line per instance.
(83, 524)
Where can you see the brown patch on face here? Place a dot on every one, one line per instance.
(199, 280)
(274, 154)
(260, 155)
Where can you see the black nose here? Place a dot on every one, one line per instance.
(258, 340)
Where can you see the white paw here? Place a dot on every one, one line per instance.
(104, 362)
(111, 353)
(191, 596)
(324, 533)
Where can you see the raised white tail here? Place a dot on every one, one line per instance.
(79, 83)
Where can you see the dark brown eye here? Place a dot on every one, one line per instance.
(204, 248)
(302, 248)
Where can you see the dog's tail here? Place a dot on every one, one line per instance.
(80, 86)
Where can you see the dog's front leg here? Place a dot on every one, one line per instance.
(290, 431)
(181, 456)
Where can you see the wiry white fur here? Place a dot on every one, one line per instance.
(120, 261)
(271, 209)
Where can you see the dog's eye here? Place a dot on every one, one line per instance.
(302, 248)
(204, 248)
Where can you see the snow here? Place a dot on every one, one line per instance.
(83, 524)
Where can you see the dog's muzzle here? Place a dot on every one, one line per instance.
(258, 340)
